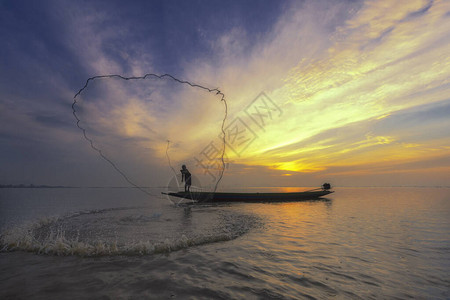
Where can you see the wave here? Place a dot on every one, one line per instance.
(53, 236)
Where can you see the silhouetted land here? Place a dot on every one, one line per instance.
(32, 186)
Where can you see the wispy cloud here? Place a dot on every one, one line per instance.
(374, 61)
(362, 85)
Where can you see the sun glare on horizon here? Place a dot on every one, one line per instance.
(348, 106)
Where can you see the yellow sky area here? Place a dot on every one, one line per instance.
(188, 117)
(390, 65)
(133, 118)
(387, 58)
(395, 167)
(388, 153)
(384, 60)
(376, 155)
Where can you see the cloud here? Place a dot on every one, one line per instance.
(358, 83)
(351, 69)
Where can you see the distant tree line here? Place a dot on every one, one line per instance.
(30, 186)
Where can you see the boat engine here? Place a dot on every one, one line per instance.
(326, 186)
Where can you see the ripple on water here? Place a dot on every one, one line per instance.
(126, 231)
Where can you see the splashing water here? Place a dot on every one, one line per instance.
(126, 231)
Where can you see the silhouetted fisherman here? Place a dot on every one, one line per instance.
(186, 176)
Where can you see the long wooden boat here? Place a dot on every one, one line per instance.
(250, 197)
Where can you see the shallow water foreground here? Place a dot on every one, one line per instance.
(360, 243)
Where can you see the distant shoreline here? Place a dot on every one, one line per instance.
(32, 186)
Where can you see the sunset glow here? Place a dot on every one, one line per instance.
(356, 92)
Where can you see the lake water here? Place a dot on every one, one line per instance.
(358, 243)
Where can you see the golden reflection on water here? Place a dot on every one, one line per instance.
(292, 189)
(361, 243)
(375, 235)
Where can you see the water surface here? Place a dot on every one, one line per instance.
(359, 243)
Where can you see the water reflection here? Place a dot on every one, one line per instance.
(186, 219)
(368, 237)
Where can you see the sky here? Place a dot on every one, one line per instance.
(352, 92)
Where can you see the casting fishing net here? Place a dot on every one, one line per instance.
(146, 128)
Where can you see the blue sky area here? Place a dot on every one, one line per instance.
(362, 87)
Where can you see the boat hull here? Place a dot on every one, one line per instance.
(250, 197)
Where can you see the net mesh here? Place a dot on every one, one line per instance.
(147, 127)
